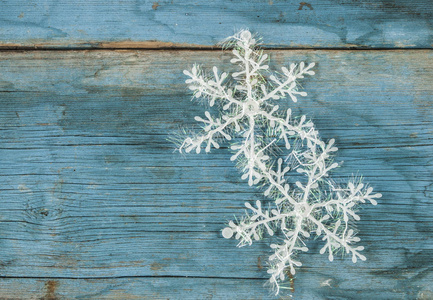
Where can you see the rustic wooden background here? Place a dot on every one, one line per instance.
(95, 204)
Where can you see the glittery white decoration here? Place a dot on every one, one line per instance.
(305, 200)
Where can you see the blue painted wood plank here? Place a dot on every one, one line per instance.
(318, 286)
(164, 23)
(95, 201)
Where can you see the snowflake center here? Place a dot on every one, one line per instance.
(251, 107)
(304, 209)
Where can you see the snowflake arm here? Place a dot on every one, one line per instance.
(213, 127)
(254, 225)
(211, 88)
(284, 254)
(288, 84)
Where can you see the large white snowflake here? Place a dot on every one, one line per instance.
(306, 201)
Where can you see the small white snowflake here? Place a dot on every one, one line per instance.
(305, 203)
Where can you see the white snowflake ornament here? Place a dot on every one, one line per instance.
(305, 200)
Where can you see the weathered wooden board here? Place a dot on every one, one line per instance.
(169, 23)
(95, 204)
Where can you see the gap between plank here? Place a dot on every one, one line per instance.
(196, 49)
(132, 276)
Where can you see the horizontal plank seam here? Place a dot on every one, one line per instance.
(168, 148)
(131, 276)
(210, 48)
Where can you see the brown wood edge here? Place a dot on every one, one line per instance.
(164, 46)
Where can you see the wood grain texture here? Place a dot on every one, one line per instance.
(169, 23)
(95, 204)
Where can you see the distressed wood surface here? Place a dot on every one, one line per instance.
(95, 204)
(168, 23)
